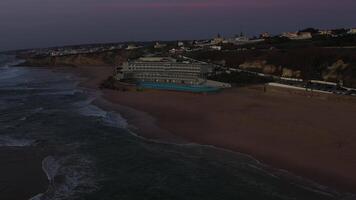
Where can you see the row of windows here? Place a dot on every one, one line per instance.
(162, 75)
(167, 65)
(191, 81)
(168, 73)
(163, 68)
(163, 71)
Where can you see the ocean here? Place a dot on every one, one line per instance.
(91, 154)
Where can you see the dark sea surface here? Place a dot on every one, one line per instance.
(93, 156)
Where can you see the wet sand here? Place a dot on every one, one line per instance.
(21, 174)
(311, 137)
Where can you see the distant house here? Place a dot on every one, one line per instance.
(202, 43)
(297, 35)
(352, 31)
(290, 35)
(217, 40)
(159, 46)
(242, 39)
(216, 47)
(174, 50)
(132, 47)
(265, 35)
(304, 36)
(325, 32)
(180, 44)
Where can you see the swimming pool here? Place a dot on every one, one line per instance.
(176, 87)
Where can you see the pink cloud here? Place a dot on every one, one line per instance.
(190, 4)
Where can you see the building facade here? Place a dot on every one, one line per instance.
(297, 35)
(352, 31)
(325, 32)
(164, 70)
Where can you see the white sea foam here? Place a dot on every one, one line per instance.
(14, 62)
(8, 61)
(50, 166)
(10, 73)
(110, 118)
(7, 141)
(92, 111)
(62, 92)
(75, 172)
(37, 197)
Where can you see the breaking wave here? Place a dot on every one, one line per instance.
(7, 141)
(113, 119)
(69, 177)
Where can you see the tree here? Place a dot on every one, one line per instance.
(310, 30)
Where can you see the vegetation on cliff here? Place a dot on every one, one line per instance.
(240, 78)
(89, 59)
(305, 63)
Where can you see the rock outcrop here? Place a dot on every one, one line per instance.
(109, 58)
(341, 72)
(264, 67)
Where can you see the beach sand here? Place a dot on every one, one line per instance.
(311, 137)
(21, 174)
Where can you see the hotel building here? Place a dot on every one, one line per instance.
(164, 70)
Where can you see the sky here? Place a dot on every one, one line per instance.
(46, 23)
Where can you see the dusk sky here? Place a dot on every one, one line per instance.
(43, 23)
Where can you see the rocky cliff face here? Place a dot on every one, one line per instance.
(336, 71)
(263, 67)
(340, 71)
(92, 59)
(329, 67)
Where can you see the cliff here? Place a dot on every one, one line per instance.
(263, 67)
(108, 58)
(329, 64)
(341, 71)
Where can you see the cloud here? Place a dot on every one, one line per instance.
(193, 4)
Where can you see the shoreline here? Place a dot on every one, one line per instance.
(151, 120)
(316, 175)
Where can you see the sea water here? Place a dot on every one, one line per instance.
(92, 154)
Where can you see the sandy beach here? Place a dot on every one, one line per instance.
(308, 136)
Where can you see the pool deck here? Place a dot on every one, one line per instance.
(178, 87)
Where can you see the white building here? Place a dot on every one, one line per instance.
(304, 36)
(132, 47)
(297, 35)
(216, 47)
(164, 70)
(325, 32)
(180, 44)
(242, 39)
(217, 40)
(352, 31)
(290, 35)
(159, 46)
(174, 50)
(265, 35)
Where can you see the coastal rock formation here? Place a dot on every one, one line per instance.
(264, 67)
(108, 58)
(304, 62)
(340, 71)
(336, 71)
(261, 66)
(320, 64)
(289, 73)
